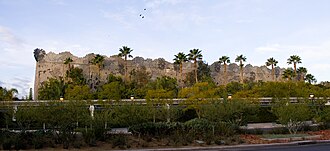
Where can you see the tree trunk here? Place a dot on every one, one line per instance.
(273, 72)
(126, 68)
(225, 73)
(241, 68)
(195, 64)
(295, 72)
(181, 73)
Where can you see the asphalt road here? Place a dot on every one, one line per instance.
(310, 147)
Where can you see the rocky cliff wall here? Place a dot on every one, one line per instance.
(51, 65)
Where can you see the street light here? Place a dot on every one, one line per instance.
(311, 96)
(61, 98)
(229, 97)
(132, 97)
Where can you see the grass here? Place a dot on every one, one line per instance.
(272, 136)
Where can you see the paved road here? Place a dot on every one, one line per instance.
(311, 147)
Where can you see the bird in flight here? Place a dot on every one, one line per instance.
(141, 15)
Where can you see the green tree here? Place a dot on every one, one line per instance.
(98, 60)
(224, 60)
(272, 62)
(288, 74)
(77, 92)
(294, 59)
(126, 53)
(164, 83)
(76, 76)
(241, 59)
(179, 59)
(195, 55)
(159, 97)
(310, 78)
(301, 71)
(7, 94)
(30, 94)
(292, 115)
(200, 94)
(112, 91)
(67, 62)
(52, 89)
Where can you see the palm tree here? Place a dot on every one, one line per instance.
(9, 94)
(179, 59)
(98, 60)
(126, 53)
(67, 62)
(241, 59)
(288, 74)
(294, 59)
(272, 62)
(301, 73)
(193, 56)
(310, 78)
(225, 60)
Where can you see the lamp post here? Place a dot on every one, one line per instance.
(61, 98)
(229, 97)
(311, 96)
(132, 97)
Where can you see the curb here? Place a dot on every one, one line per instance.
(242, 146)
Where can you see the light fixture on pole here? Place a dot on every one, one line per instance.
(229, 97)
(132, 97)
(311, 96)
(61, 98)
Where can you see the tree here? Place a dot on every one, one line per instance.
(179, 59)
(98, 60)
(294, 59)
(126, 53)
(301, 71)
(292, 115)
(288, 74)
(76, 76)
(197, 96)
(112, 91)
(7, 94)
(77, 92)
(67, 62)
(225, 60)
(52, 89)
(241, 59)
(310, 78)
(272, 62)
(193, 56)
(30, 94)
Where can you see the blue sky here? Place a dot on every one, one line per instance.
(258, 29)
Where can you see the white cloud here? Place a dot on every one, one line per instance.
(7, 38)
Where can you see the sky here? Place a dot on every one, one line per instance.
(258, 29)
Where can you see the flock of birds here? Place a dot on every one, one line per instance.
(142, 15)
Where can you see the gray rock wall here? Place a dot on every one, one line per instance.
(51, 65)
